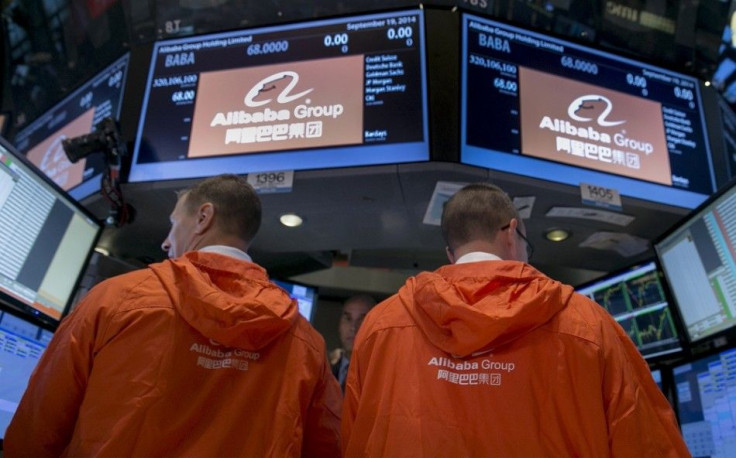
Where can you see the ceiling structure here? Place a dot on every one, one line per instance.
(364, 228)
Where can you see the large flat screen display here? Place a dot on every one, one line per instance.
(21, 345)
(331, 93)
(698, 257)
(550, 109)
(46, 239)
(637, 299)
(704, 391)
(77, 114)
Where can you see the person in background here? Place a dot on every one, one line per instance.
(354, 310)
(489, 357)
(199, 355)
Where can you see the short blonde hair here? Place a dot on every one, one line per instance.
(237, 206)
(476, 212)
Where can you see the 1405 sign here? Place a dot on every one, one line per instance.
(600, 196)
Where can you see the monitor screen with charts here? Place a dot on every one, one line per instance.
(637, 299)
(46, 239)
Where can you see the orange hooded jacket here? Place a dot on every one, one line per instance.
(199, 356)
(495, 359)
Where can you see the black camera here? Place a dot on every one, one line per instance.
(106, 138)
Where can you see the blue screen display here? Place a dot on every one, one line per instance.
(329, 93)
(21, 346)
(77, 114)
(541, 107)
(705, 391)
(305, 296)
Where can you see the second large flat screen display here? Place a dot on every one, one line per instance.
(77, 114)
(550, 109)
(332, 93)
(698, 257)
(46, 239)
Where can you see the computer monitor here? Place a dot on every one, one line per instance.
(46, 239)
(305, 296)
(21, 345)
(551, 109)
(638, 300)
(704, 393)
(698, 257)
(657, 376)
(662, 375)
(313, 95)
(77, 114)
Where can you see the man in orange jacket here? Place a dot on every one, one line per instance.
(199, 355)
(489, 357)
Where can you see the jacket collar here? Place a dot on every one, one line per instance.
(227, 251)
(476, 256)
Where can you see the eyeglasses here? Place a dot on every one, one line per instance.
(529, 246)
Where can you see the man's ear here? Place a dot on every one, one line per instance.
(512, 240)
(513, 224)
(205, 217)
(450, 255)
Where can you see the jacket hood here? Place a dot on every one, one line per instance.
(475, 307)
(226, 299)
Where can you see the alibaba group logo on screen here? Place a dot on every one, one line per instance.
(267, 86)
(586, 105)
(592, 127)
(279, 107)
